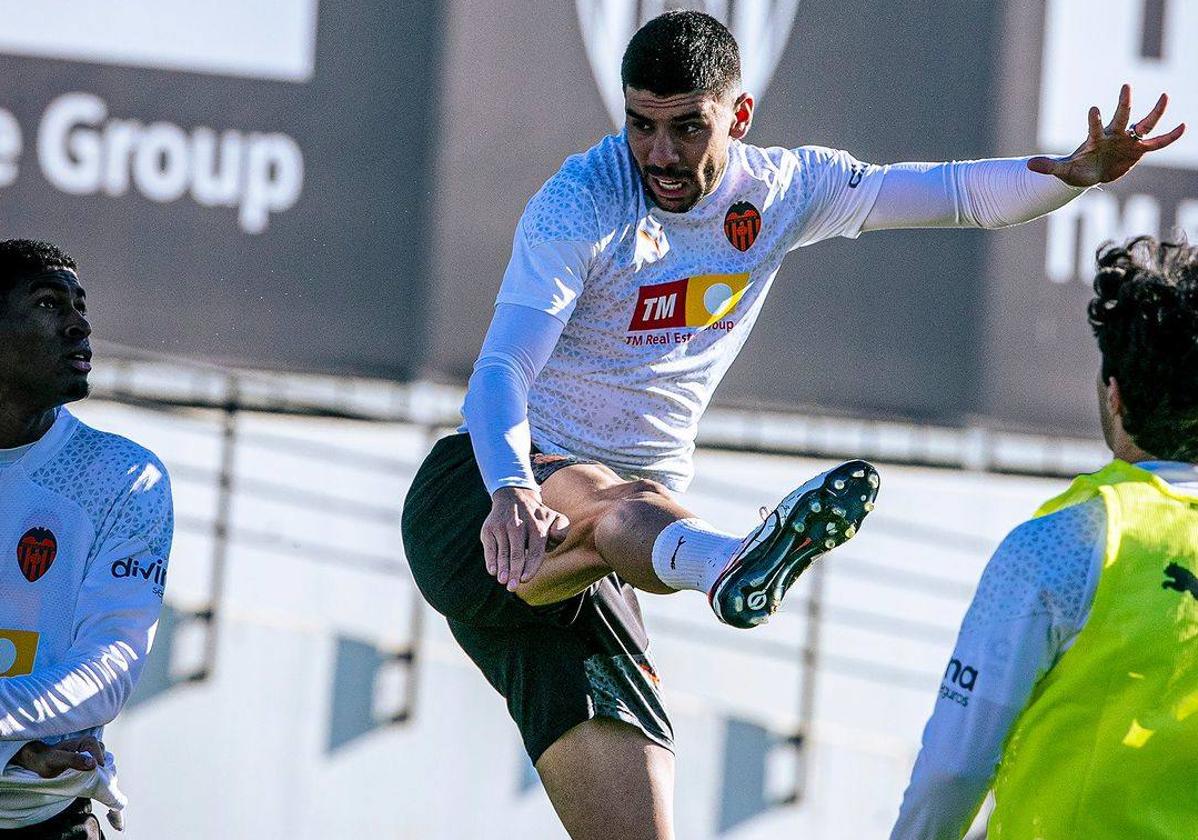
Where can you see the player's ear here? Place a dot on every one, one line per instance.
(742, 116)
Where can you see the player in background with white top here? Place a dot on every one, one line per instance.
(636, 274)
(1074, 681)
(85, 532)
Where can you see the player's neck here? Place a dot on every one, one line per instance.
(718, 180)
(1131, 453)
(20, 426)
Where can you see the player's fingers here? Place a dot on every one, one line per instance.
(534, 559)
(559, 529)
(94, 747)
(490, 549)
(1145, 125)
(1095, 118)
(1164, 140)
(1122, 110)
(518, 542)
(502, 556)
(58, 761)
(536, 550)
(80, 761)
(1045, 165)
(52, 763)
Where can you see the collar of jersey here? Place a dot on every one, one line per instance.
(1174, 472)
(41, 451)
(11, 456)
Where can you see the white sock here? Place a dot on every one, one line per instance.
(690, 554)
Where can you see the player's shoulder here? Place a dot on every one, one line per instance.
(96, 468)
(783, 157)
(797, 170)
(1046, 563)
(1045, 536)
(587, 197)
(116, 455)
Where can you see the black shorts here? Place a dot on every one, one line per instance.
(77, 822)
(556, 666)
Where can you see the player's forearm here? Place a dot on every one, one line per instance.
(940, 807)
(518, 344)
(82, 693)
(496, 411)
(992, 193)
(962, 746)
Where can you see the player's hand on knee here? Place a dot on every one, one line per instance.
(50, 761)
(516, 532)
(549, 530)
(88, 744)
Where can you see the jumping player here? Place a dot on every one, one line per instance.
(636, 274)
(1073, 685)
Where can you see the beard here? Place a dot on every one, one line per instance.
(695, 185)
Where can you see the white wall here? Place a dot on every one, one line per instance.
(244, 754)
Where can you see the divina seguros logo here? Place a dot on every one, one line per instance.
(958, 675)
(132, 568)
(761, 27)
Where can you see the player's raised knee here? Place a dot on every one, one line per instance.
(641, 489)
(630, 504)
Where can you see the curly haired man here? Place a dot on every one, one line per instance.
(1074, 684)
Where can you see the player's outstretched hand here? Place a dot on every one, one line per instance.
(49, 761)
(516, 533)
(1109, 152)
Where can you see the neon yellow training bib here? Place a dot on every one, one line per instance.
(1107, 747)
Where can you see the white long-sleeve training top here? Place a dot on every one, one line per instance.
(85, 533)
(1032, 602)
(616, 320)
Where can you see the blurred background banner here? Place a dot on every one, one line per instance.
(1037, 352)
(333, 187)
(247, 182)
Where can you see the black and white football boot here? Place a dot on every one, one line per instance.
(814, 519)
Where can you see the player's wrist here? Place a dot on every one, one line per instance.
(513, 492)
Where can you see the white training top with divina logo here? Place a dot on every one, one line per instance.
(85, 532)
(656, 305)
(1031, 604)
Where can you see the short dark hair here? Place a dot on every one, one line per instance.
(23, 257)
(1145, 317)
(682, 51)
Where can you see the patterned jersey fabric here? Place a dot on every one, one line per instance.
(1033, 600)
(656, 305)
(85, 533)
